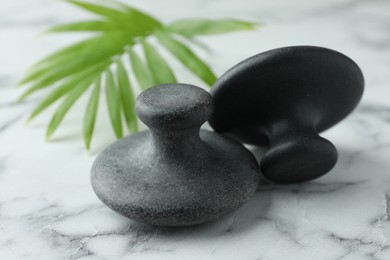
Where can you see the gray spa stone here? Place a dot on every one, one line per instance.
(175, 174)
(283, 98)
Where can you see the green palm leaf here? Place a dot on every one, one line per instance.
(195, 27)
(65, 106)
(186, 56)
(90, 114)
(142, 73)
(114, 104)
(98, 49)
(57, 59)
(85, 26)
(158, 66)
(97, 9)
(117, 30)
(67, 86)
(127, 96)
(128, 18)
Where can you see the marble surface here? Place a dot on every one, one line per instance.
(48, 209)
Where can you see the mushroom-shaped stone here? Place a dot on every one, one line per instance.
(175, 174)
(284, 98)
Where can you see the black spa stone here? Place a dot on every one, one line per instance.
(175, 174)
(283, 98)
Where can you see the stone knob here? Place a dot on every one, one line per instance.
(175, 174)
(166, 107)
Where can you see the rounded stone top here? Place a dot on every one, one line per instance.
(309, 84)
(174, 106)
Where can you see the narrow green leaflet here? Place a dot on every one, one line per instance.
(160, 69)
(141, 19)
(65, 106)
(127, 98)
(124, 17)
(142, 73)
(39, 69)
(186, 57)
(113, 104)
(57, 58)
(90, 114)
(40, 84)
(50, 99)
(64, 88)
(81, 55)
(97, 9)
(194, 27)
(131, 29)
(84, 26)
(106, 45)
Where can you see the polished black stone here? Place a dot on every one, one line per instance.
(175, 174)
(283, 98)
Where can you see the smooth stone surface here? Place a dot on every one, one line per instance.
(284, 97)
(48, 210)
(172, 175)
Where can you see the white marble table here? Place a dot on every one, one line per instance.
(48, 209)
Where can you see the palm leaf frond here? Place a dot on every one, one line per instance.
(158, 66)
(64, 107)
(128, 98)
(117, 30)
(114, 104)
(84, 26)
(187, 57)
(66, 87)
(142, 73)
(90, 113)
(196, 27)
